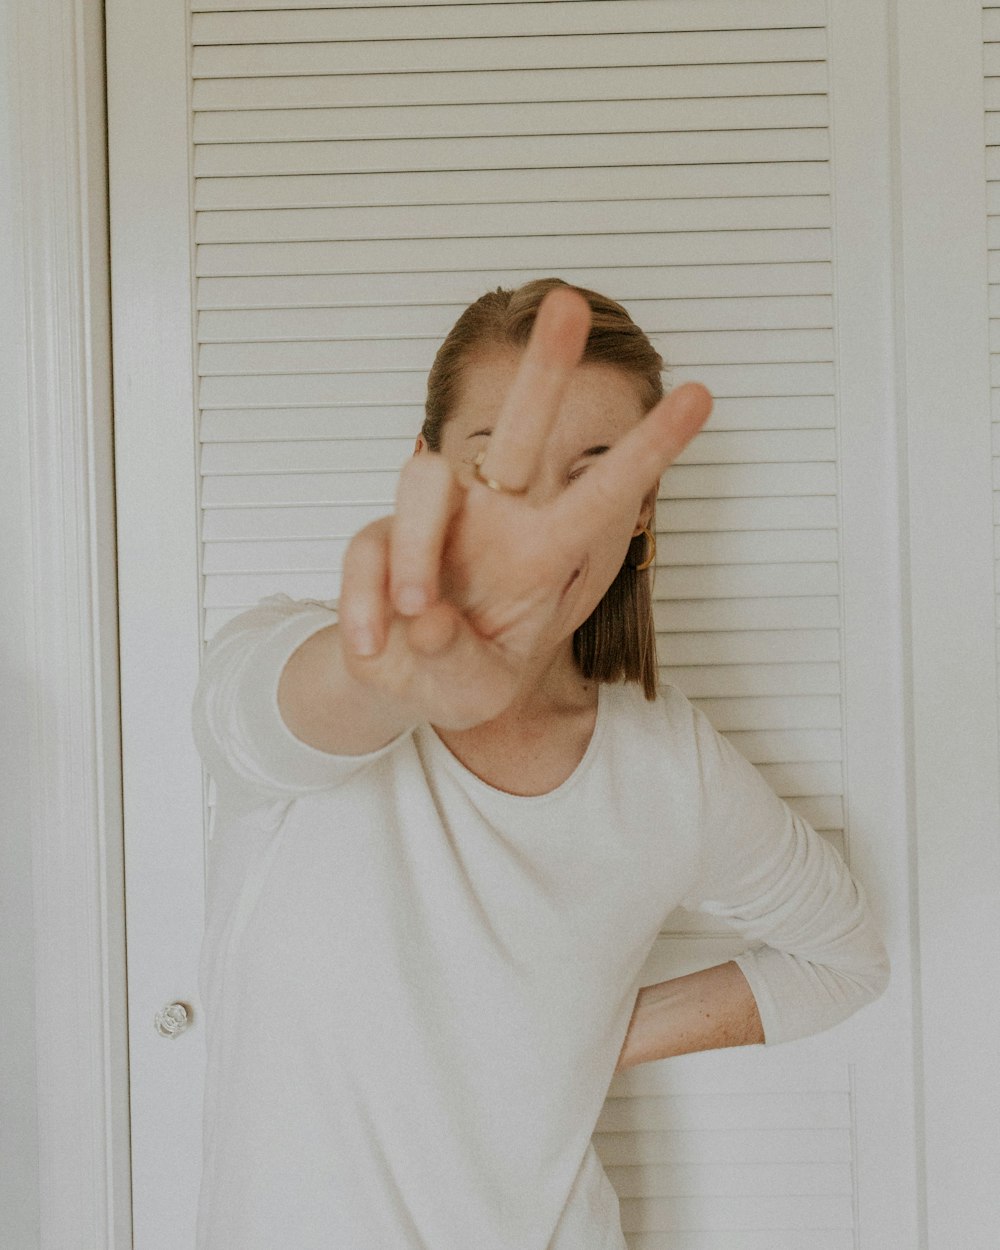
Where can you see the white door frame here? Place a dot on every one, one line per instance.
(943, 375)
(873, 626)
(65, 1167)
(156, 449)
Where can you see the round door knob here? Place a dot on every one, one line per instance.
(173, 1019)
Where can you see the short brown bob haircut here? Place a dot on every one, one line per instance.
(618, 640)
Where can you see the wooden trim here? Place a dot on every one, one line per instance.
(156, 454)
(872, 633)
(65, 642)
(954, 748)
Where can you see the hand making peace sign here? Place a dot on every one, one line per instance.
(447, 604)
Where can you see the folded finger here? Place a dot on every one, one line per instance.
(558, 338)
(453, 657)
(426, 500)
(364, 609)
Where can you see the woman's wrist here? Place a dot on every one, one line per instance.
(707, 1010)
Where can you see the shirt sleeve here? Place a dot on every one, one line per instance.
(239, 732)
(815, 955)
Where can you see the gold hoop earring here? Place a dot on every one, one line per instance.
(651, 548)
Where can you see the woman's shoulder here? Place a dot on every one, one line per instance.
(669, 719)
(670, 702)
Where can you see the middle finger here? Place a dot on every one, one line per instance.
(626, 472)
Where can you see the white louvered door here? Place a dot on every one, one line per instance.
(328, 187)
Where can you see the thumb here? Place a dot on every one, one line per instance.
(433, 631)
(469, 678)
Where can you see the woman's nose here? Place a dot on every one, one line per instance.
(543, 488)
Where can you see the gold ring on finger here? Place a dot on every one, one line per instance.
(491, 482)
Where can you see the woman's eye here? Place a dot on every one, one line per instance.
(577, 473)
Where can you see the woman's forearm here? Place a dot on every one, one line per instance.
(704, 1010)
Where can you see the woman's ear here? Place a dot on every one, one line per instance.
(647, 511)
(420, 445)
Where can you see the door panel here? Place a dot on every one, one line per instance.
(291, 237)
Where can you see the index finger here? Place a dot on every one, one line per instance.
(557, 342)
(627, 471)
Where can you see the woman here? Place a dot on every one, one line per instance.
(452, 820)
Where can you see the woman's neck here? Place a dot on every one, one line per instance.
(540, 738)
(553, 690)
(552, 686)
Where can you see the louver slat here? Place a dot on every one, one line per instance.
(449, 221)
(632, 82)
(427, 287)
(527, 151)
(332, 22)
(541, 52)
(658, 316)
(462, 120)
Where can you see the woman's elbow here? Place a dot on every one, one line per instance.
(875, 980)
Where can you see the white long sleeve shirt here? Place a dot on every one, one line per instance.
(417, 986)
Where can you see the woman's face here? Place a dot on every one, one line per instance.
(599, 406)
